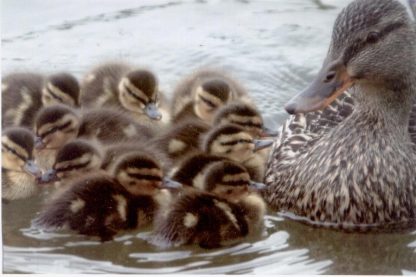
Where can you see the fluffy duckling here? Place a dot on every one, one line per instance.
(181, 139)
(24, 94)
(228, 211)
(135, 90)
(201, 94)
(19, 172)
(58, 124)
(74, 158)
(192, 169)
(245, 115)
(235, 143)
(101, 205)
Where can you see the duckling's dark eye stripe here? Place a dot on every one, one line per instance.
(360, 44)
(233, 142)
(72, 167)
(13, 151)
(135, 96)
(54, 95)
(237, 183)
(54, 129)
(144, 177)
(247, 124)
(208, 102)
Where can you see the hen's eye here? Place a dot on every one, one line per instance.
(373, 37)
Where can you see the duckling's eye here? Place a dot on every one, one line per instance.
(208, 102)
(229, 191)
(373, 37)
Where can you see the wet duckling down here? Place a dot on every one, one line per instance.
(100, 204)
(228, 210)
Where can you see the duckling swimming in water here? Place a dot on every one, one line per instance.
(73, 159)
(227, 212)
(101, 205)
(19, 172)
(119, 85)
(360, 171)
(24, 94)
(58, 124)
(201, 94)
(234, 142)
(245, 115)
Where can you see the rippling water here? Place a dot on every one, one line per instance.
(272, 47)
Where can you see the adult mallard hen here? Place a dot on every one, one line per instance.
(353, 163)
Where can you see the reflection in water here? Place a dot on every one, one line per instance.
(274, 47)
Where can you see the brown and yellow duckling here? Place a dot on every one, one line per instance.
(120, 85)
(19, 172)
(75, 158)
(58, 124)
(101, 204)
(201, 94)
(235, 143)
(226, 212)
(24, 94)
(245, 115)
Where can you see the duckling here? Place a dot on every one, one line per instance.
(101, 205)
(202, 93)
(192, 168)
(58, 124)
(19, 172)
(24, 94)
(227, 211)
(359, 172)
(245, 115)
(181, 139)
(76, 157)
(135, 90)
(235, 143)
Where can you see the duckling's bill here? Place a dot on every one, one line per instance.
(331, 81)
(257, 186)
(267, 132)
(153, 112)
(31, 168)
(171, 184)
(48, 176)
(260, 144)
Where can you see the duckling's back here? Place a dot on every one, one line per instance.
(21, 98)
(100, 86)
(201, 218)
(110, 125)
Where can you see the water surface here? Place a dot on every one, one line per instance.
(273, 47)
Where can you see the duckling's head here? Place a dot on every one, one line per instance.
(61, 88)
(74, 158)
(372, 47)
(233, 142)
(229, 180)
(209, 96)
(138, 92)
(17, 151)
(140, 174)
(244, 115)
(54, 126)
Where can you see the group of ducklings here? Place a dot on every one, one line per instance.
(117, 157)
